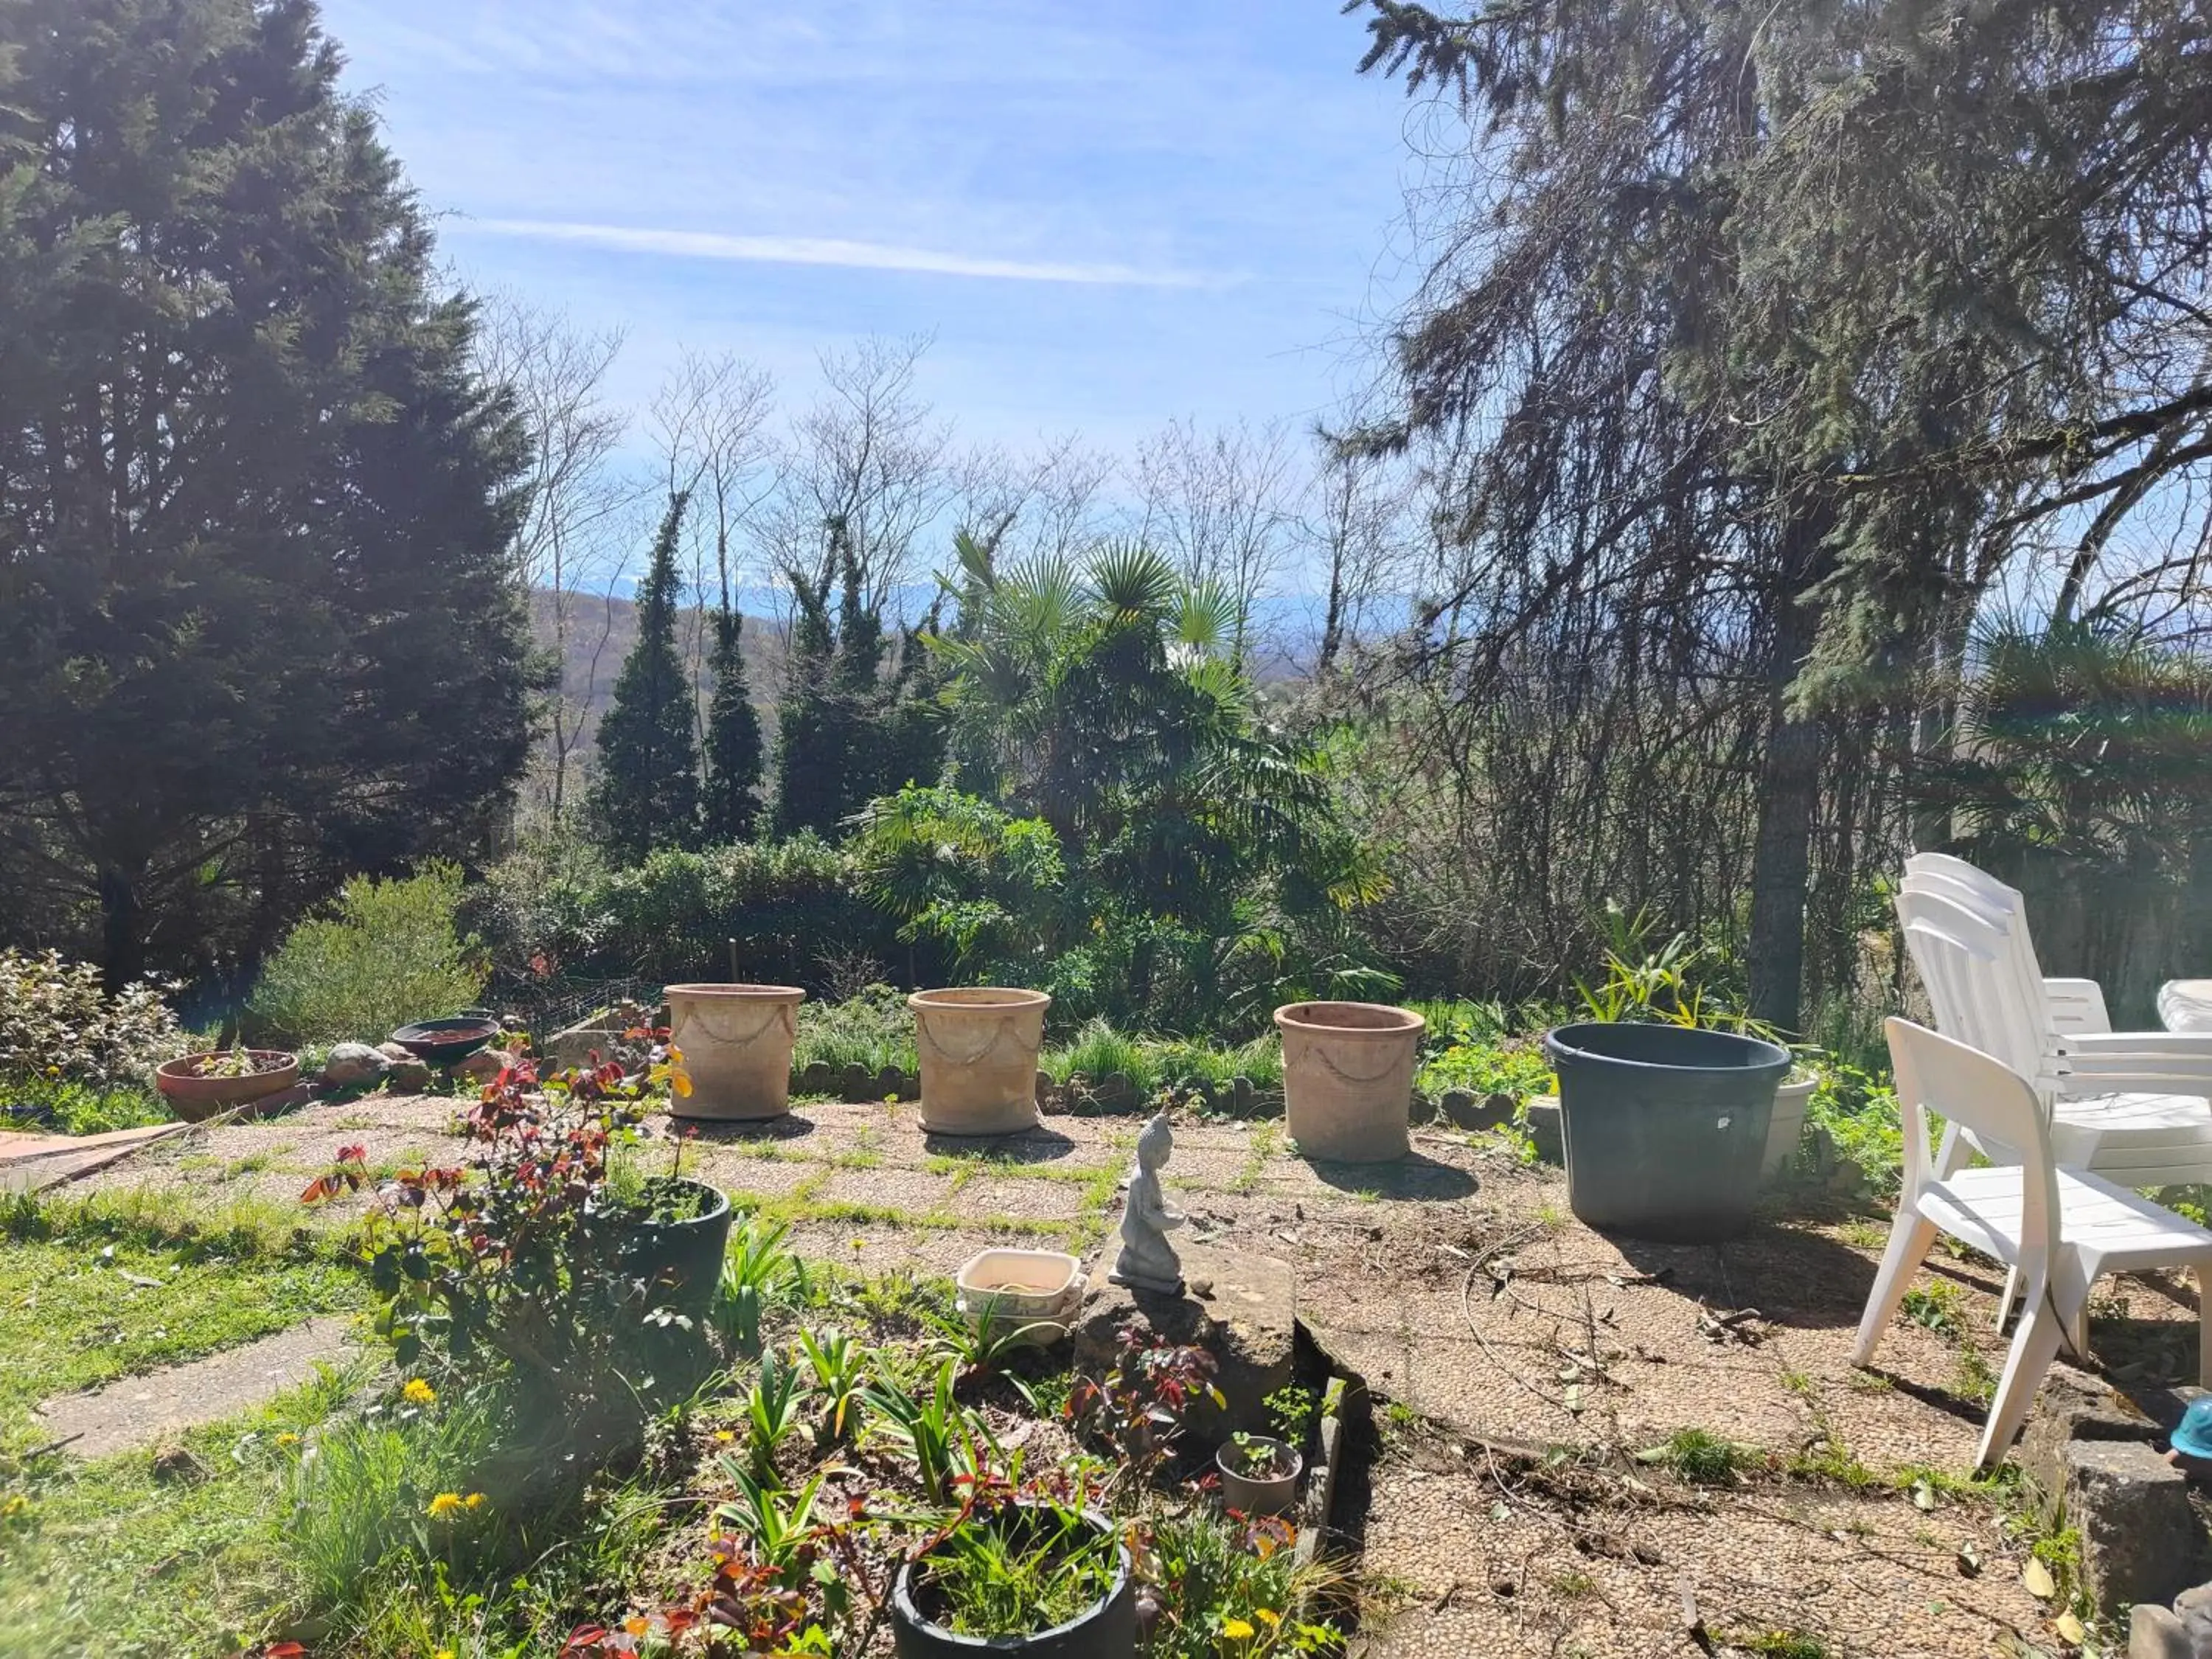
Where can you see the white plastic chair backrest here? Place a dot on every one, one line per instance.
(1992, 1101)
(1970, 876)
(1967, 968)
(2007, 915)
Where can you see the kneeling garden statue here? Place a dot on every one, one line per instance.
(1147, 1261)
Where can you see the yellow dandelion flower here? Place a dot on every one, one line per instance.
(287, 1439)
(445, 1653)
(726, 1435)
(419, 1392)
(860, 1244)
(1267, 1616)
(475, 1500)
(445, 1504)
(1238, 1629)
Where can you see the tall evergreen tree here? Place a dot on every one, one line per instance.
(254, 628)
(846, 731)
(646, 795)
(730, 803)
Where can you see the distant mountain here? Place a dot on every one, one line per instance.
(599, 631)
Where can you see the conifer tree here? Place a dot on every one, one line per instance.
(646, 795)
(256, 629)
(730, 805)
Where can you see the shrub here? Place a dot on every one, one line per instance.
(794, 906)
(387, 954)
(874, 1029)
(58, 1025)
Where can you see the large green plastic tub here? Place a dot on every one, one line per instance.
(1665, 1127)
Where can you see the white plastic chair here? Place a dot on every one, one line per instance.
(2099, 1056)
(2060, 1229)
(2143, 1094)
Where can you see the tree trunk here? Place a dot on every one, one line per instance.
(123, 945)
(1782, 854)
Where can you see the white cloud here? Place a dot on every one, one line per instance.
(830, 250)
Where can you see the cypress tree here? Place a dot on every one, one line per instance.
(646, 795)
(730, 805)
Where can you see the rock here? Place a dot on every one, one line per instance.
(1118, 1092)
(1247, 1326)
(854, 1081)
(410, 1075)
(2072, 1405)
(819, 1077)
(1466, 1109)
(909, 1085)
(1244, 1096)
(178, 1464)
(485, 1065)
(1543, 1127)
(348, 1063)
(2140, 1541)
(2156, 1633)
(393, 1051)
(888, 1081)
(575, 1046)
(1045, 1088)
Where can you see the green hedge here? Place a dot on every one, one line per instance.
(794, 908)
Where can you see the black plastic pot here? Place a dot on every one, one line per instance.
(1665, 1126)
(1108, 1631)
(681, 1260)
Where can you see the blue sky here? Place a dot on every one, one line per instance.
(1109, 215)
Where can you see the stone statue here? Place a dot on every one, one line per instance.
(1148, 1262)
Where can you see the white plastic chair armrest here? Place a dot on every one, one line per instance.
(2077, 1005)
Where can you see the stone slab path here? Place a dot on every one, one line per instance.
(139, 1412)
(29, 1163)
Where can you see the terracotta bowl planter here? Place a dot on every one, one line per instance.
(193, 1098)
(1348, 1079)
(736, 1041)
(979, 1047)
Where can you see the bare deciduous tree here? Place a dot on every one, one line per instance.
(570, 539)
(1215, 502)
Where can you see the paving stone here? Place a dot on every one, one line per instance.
(139, 1410)
(1544, 1128)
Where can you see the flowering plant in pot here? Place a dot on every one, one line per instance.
(520, 1259)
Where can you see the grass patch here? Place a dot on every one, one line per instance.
(62, 1106)
(76, 1312)
(1701, 1458)
(111, 1558)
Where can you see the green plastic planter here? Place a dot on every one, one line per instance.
(1665, 1127)
(681, 1260)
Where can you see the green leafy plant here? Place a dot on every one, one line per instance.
(1231, 1588)
(932, 1431)
(387, 953)
(1014, 1568)
(758, 1272)
(1259, 1458)
(1699, 1456)
(772, 1409)
(1292, 1408)
(1668, 983)
(58, 1025)
(501, 1264)
(838, 1368)
(1938, 1307)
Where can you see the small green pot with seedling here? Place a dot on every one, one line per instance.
(1259, 1474)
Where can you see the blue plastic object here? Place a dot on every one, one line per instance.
(2192, 1437)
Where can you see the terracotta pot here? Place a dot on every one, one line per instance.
(736, 1041)
(1348, 1079)
(193, 1098)
(1787, 1123)
(979, 1057)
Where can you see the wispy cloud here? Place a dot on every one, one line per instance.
(832, 251)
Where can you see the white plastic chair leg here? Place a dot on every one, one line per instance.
(1911, 1236)
(2034, 1346)
(2008, 1295)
